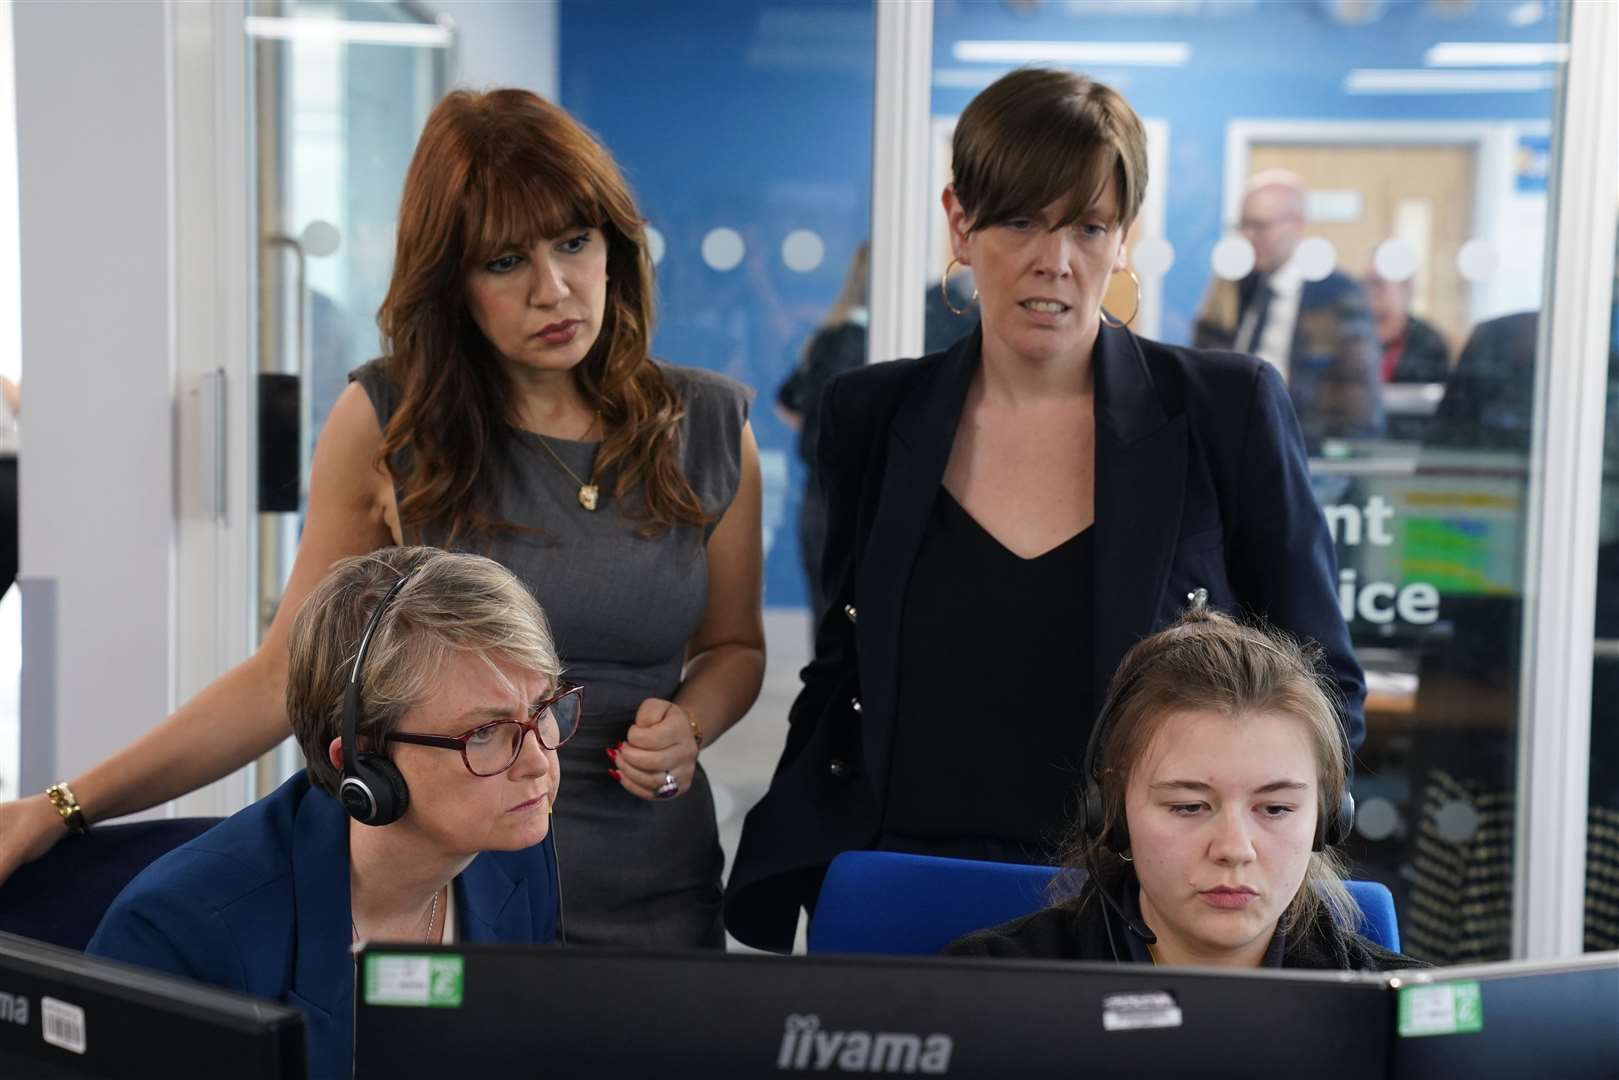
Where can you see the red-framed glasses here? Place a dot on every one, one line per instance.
(490, 749)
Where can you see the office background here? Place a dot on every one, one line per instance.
(172, 158)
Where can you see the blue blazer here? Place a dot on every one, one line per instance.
(1201, 481)
(259, 904)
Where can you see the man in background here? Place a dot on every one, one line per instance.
(1318, 334)
(1414, 351)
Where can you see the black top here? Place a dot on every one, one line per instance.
(994, 692)
(832, 350)
(1084, 929)
(1423, 355)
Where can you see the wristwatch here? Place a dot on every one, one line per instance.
(61, 797)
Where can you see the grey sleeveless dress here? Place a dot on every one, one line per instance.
(622, 608)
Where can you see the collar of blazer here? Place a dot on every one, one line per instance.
(491, 903)
(1128, 403)
(1141, 473)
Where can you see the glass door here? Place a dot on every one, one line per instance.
(1421, 145)
(340, 92)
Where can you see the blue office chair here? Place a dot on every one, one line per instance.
(61, 896)
(887, 903)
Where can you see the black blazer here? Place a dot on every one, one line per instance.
(1201, 480)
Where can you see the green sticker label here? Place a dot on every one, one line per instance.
(1442, 1009)
(421, 981)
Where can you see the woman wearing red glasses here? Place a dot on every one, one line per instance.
(460, 713)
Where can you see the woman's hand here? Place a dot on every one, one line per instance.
(660, 741)
(28, 829)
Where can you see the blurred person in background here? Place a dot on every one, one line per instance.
(1414, 351)
(1317, 334)
(838, 345)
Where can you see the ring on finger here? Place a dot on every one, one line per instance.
(669, 788)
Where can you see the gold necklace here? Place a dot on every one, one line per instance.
(432, 917)
(589, 493)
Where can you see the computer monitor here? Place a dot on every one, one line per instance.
(528, 1012)
(67, 1016)
(1524, 1018)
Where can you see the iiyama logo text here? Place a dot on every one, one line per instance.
(805, 1046)
(13, 1009)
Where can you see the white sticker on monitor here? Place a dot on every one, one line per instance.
(1134, 1012)
(62, 1024)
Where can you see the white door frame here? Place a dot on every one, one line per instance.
(1565, 493)
(215, 414)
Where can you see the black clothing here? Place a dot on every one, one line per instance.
(1079, 929)
(992, 665)
(832, 350)
(8, 523)
(1201, 482)
(1423, 355)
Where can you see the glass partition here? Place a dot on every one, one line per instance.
(1421, 135)
(745, 131)
(340, 92)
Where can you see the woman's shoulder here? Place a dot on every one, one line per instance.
(701, 388)
(1219, 371)
(1324, 945)
(379, 386)
(1052, 933)
(1367, 955)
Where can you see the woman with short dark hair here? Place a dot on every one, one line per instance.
(1008, 517)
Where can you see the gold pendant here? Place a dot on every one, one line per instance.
(587, 496)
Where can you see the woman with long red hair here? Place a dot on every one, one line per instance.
(516, 412)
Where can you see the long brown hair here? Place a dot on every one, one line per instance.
(493, 171)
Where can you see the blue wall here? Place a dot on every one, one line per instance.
(757, 115)
(749, 115)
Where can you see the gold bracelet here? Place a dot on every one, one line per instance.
(696, 732)
(61, 797)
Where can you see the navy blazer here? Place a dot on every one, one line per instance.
(1201, 481)
(259, 904)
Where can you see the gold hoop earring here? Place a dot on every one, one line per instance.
(1133, 311)
(1122, 855)
(944, 288)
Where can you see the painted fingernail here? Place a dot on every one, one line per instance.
(612, 753)
(614, 773)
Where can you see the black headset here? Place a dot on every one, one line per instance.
(1332, 823)
(372, 789)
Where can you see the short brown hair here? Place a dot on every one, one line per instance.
(452, 603)
(1209, 662)
(1036, 136)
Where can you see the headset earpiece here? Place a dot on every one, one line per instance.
(372, 789)
(1333, 825)
(375, 792)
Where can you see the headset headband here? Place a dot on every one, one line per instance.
(351, 696)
